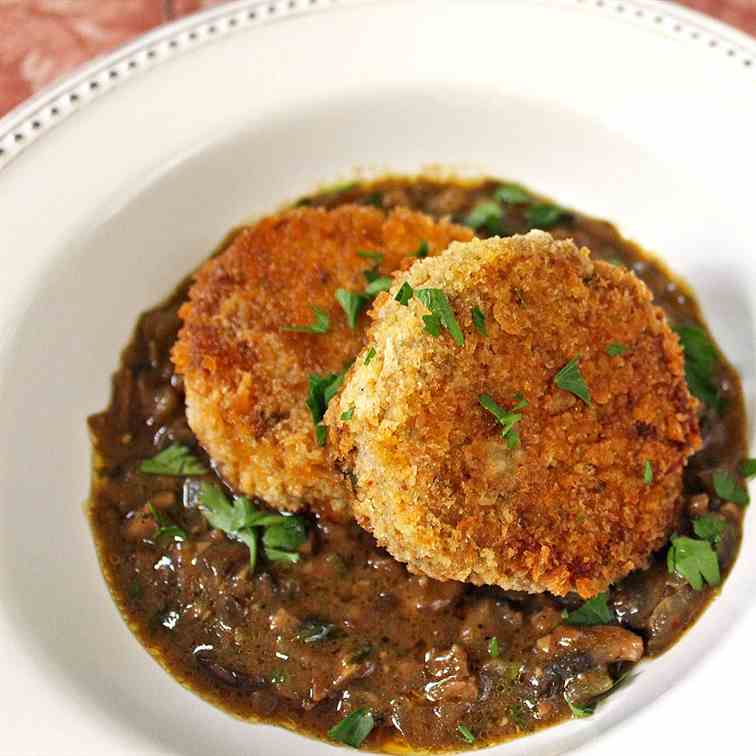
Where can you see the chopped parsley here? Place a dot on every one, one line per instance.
(465, 734)
(693, 560)
(176, 460)
(352, 303)
(377, 285)
(353, 729)
(241, 520)
(512, 194)
(747, 468)
(165, 528)
(648, 473)
(700, 364)
(544, 215)
(615, 349)
(507, 420)
(569, 378)
(493, 647)
(422, 250)
(595, 611)
(479, 320)
(404, 294)
(366, 254)
(348, 415)
(709, 528)
(437, 302)
(486, 214)
(517, 715)
(321, 389)
(321, 324)
(727, 488)
(369, 356)
(580, 712)
(432, 325)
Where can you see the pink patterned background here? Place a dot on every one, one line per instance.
(41, 40)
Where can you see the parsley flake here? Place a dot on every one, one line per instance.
(569, 378)
(352, 304)
(321, 325)
(365, 254)
(615, 349)
(747, 468)
(241, 520)
(595, 611)
(507, 420)
(404, 294)
(486, 214)
(369, 356)
(176, 460)
(465, 734)
(580, 712)
(165, 528)
(587, 709)
(479, 320)
(700, 364)
(648, 473)
(377, 285)
(544, 215)
(727, 488)
(512, 194)
(693, 560)
(493, 647)
(709, 528)
(422, 250)
(353, 729)
(432, 325)
(437, 302)
(321, 389)
(348, 415)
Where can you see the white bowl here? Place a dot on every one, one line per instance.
(115, 183)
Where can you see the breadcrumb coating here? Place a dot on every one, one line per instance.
(246, 377)
(568, 508)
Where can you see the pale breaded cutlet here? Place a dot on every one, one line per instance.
(247, 377)
(539, 490)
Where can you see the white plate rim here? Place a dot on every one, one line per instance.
(54, 104)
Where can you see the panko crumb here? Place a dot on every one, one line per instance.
(568, 508)
(246, 377)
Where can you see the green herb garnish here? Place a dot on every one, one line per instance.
(569, 378)
(517, 715)
(339, 187)
(486, 214)
(432, 325)
(369, 356)
(512, 194)
(507, 420)
(493, 647)
(709, 528)
(365, 254)
(700, 364)
(348, 415)
(321, 389)
(479, 320)
(176, 460)
(404, 294)
(352, 304)
(727, 488)
(465, 734)
(586, 710)
(693, 560)
(321, 324)
(544, 215)
(353, 729)
(165, 528)
(437, 302)
(377, 285)
(422, 250)
(580, 712)
(615, 349)
(595, 611)
(747, 468)
(648, 473)
(282, 535)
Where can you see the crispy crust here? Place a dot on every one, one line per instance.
(566, 511)
(246, 378)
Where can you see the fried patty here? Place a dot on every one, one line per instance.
(246, 376)
(569, 497)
